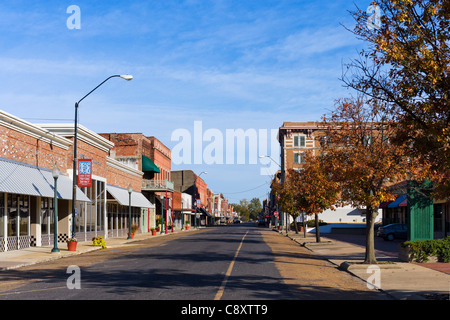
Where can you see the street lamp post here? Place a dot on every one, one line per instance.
(162, 213)
(74, 191)
(166, 214)
(55, 174)
(281, 220)
(130, 190)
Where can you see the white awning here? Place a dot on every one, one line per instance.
(20, 178)
(122, 197)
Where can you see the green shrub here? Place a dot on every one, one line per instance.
(422, 249)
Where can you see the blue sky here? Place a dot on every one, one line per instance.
(229, 64)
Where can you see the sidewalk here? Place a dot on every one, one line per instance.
(29, 256)
(400, 280)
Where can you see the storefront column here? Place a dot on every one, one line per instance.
(35, 222)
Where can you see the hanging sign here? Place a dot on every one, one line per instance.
(84, 173)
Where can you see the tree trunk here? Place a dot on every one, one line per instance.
(295, 224)
(370, 235)
(317, 227)
(304, 224)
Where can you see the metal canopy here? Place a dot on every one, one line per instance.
(122, 196)
(21, 178)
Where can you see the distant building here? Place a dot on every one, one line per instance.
(295, 139)
(186, 181)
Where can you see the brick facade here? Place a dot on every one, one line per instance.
(162, 157)
(188, 182)
(24, 142)
(129, 147)
(120, 176)
(295, 139)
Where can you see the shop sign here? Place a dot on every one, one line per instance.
(84, 173)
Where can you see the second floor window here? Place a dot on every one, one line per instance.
(299, 141)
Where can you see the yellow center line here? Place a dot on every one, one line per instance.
(228, 273)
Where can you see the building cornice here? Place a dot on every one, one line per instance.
(83, 134)
(123, 167)
(35, 131)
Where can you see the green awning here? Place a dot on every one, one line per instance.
(148, 165)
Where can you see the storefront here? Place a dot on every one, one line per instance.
(118, 210)
(90, 217)
(27, 205)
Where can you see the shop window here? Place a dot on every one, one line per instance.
(12, 215)
(47, 216)
(24, 215)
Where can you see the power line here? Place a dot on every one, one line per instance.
(265, 183)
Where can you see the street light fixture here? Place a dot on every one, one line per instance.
(270, 159)
(126, 77)
(55, 174)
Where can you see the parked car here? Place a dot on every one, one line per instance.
(393, 231)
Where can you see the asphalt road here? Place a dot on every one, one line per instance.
(239, 262)
(218, 263)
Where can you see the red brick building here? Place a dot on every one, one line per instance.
(27, 155)
(153, 158)
(107, 213)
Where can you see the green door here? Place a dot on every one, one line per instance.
(420, 207)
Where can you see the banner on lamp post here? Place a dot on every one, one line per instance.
(84, 173)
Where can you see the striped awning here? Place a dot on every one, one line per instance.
(21, 178)
(122, 196)
(397, 201)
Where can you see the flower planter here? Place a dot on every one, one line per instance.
(72, 245)
(187, 227)
(153, 232)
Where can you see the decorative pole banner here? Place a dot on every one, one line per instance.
(84, 172)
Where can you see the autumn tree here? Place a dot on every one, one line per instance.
(287, 195)
(359, 156)
(406, 66)
(315, 190)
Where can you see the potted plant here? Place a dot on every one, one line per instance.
(158, 224)
(72, 244)
(153, 231)
(134, 229)
(187, 225)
